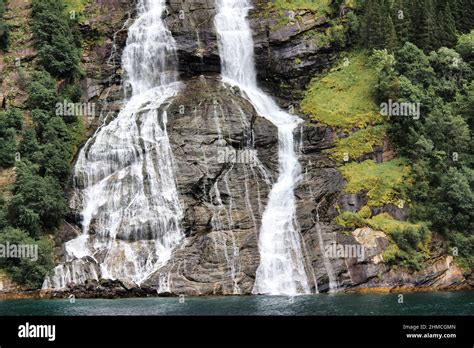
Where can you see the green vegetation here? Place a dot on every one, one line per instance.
(319, 7)
(27, 271)
(42, 94)
(359, 143)
(38, 202)
(462, 247)
(429, 24)
(409, 242)
(423, 58)
(344, 97)
(4, 29)
(378, 29)
(77, 6)
(7, 147)
(465, 47)
(10, 122)
(439, 143)
(56, 43)
(41, 150)
(384, 183)
(75, 10)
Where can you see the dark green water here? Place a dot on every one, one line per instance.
(440, 303)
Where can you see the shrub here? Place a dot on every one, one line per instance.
(350, 220)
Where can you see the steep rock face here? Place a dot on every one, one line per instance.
(316, 193)
(225, 156)
(224, 195)
(192, 26)
(287, 53)
(224, 201)
(104, 33)
(372, 273)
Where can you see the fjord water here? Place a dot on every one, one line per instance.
(436, 303)
(282, 267)
(124, 177)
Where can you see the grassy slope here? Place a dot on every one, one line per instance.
(343, 99)
(316, 6)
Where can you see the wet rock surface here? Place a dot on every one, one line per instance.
(287, 55)
(226, 159)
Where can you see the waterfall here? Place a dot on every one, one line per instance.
(124, 175)
(281, 270)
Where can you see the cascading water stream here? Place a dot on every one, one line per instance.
(124, 175)
(281, 270)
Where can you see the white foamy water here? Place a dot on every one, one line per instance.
(124, 175)
(281, 270)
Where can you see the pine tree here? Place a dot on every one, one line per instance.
(464, 15)
(390, 33)
(423, 24)
(378, 28)
(401, 19)
(446, 26)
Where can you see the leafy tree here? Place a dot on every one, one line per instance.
(388, 84)
(42, 93)
(29, 147)
(453, 201)
(12, 118)
(415, 65)
(72, 93)
(464, 244)
(29, 272)
(451, 71)
(464, 105)
(448, 132)
(439, 143)
(38, 202)
(465, 48)
(4, 29)
(55, 40)
(423, 23)
(59, 59)
(7, 147)
(3, 213)
(56, 150)
(40, 119)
